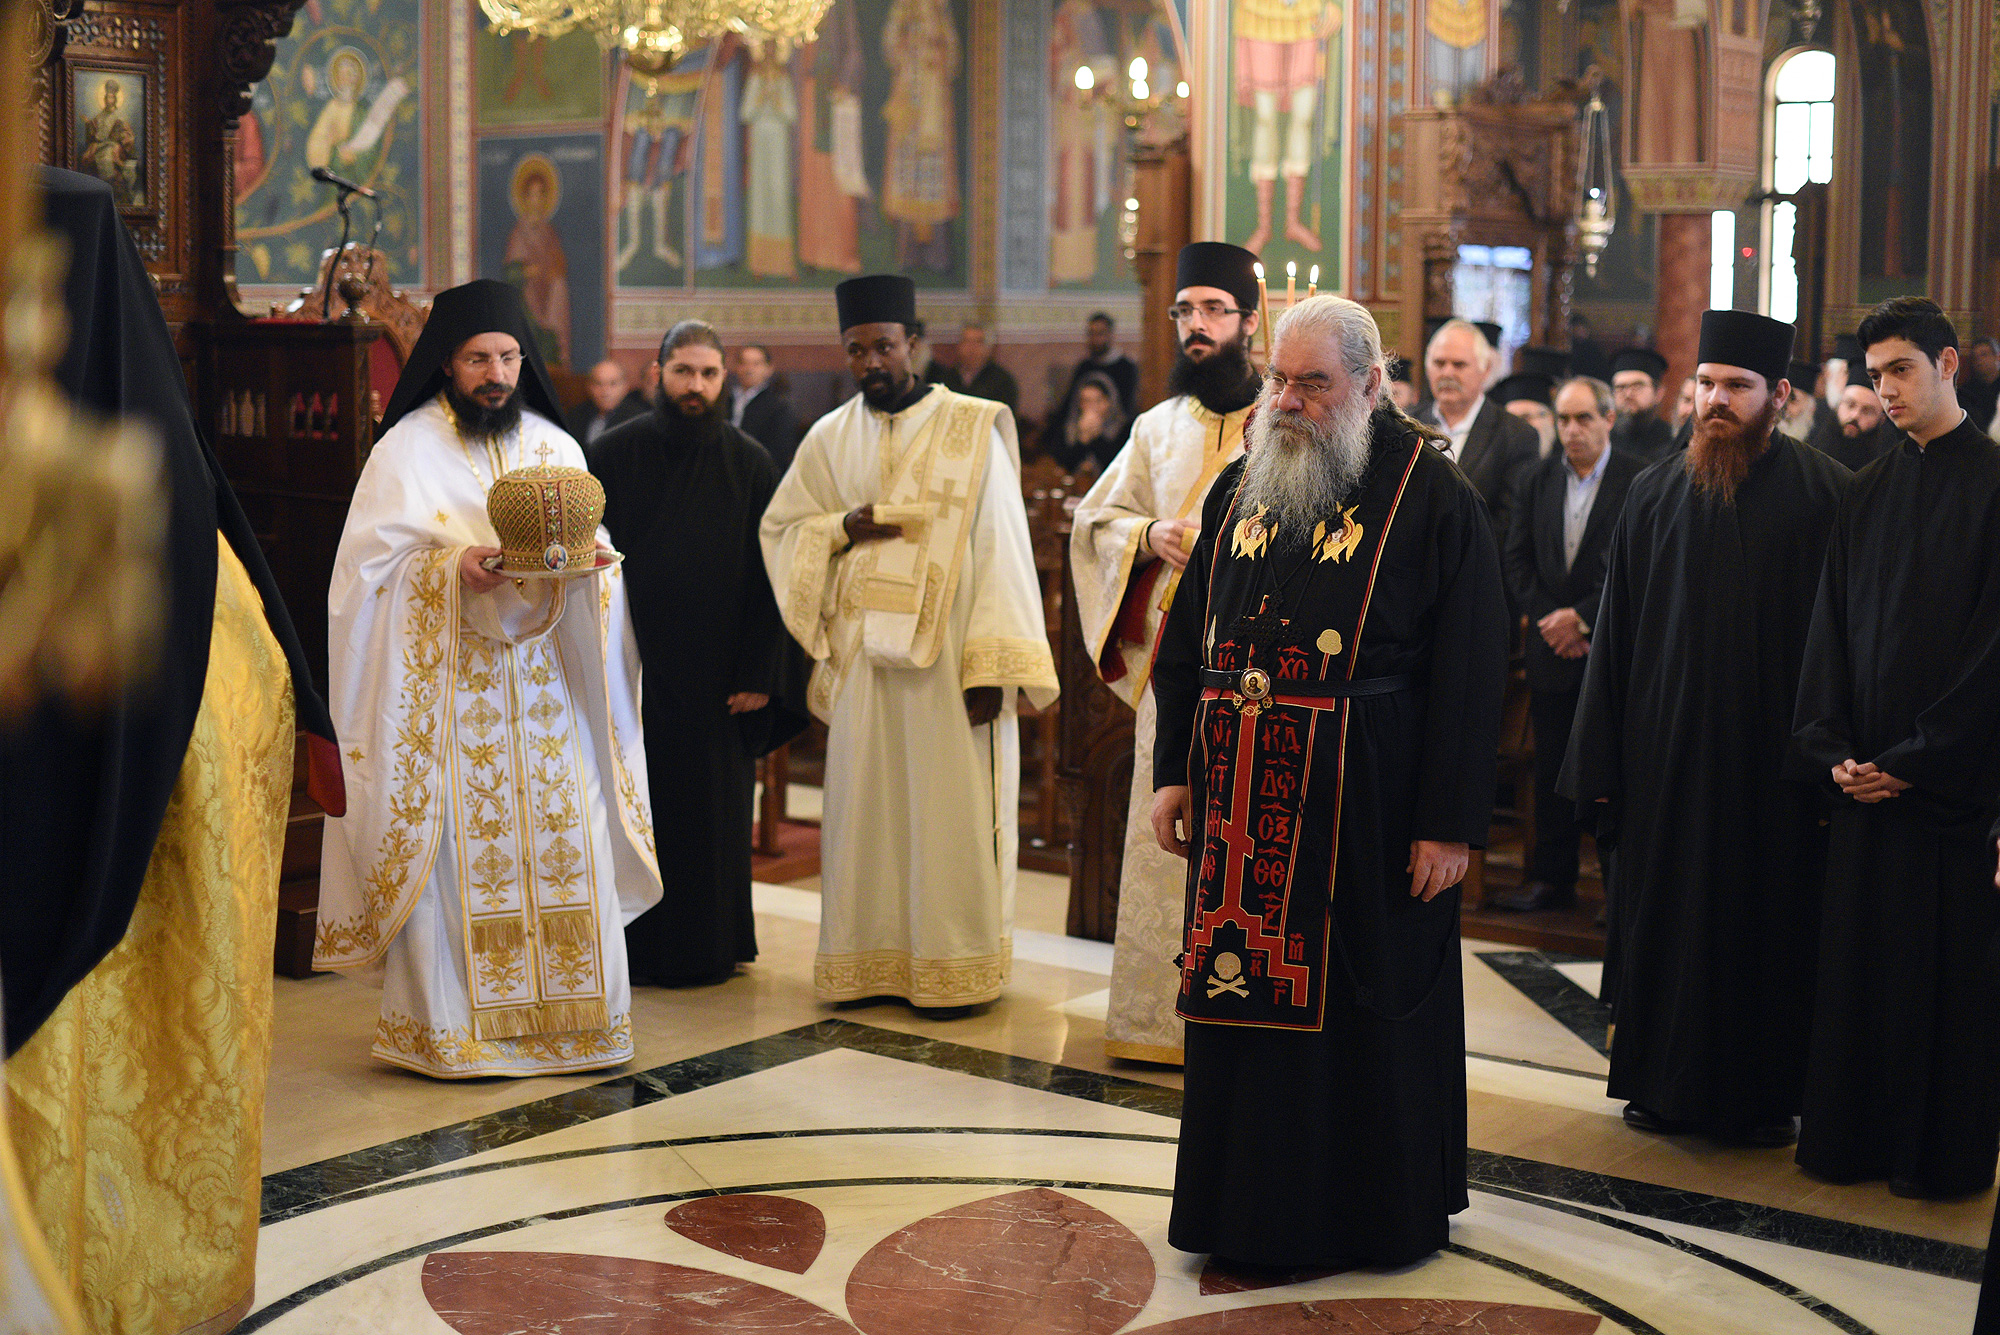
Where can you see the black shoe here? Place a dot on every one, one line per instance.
(1910, 1189)
(942, 1012)
(1531, 897)
(1758, 1136)
(1645, 1119)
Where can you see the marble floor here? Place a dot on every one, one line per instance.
(771, 1165)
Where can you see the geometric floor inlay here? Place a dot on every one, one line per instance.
(845, 1179)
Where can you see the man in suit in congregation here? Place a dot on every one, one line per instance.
(762, 409)
(1565, 508)
(1488, 443)
(612, 402)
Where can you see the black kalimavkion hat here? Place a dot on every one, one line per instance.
(1640, 359)
(882, 298)
(1219, 264)
(1744, 338)
(1530, 385)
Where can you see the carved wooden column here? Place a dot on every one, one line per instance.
(1505, 176)
(242, 47)
(1160, 182)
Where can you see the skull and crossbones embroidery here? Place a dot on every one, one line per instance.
(1228, 977)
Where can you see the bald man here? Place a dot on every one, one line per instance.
(612, 402)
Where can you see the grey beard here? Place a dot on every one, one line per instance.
(1299, 472)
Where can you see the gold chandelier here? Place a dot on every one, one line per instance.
(656, 33)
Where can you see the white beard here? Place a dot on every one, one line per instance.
(1300, 471)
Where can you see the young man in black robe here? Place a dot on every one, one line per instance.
(1329, 684)
(683, 494)
(1899, 717)
(1683, 731)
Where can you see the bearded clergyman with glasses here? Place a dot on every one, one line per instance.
(1128, 546)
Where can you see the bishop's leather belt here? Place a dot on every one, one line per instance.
(1257, 684)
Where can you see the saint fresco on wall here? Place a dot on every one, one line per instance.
(1285, 150)
(755, 165)
(541, 229)
(523, 80)
(1089, 179)
(342, 95)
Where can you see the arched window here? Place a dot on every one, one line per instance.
(1801, 150)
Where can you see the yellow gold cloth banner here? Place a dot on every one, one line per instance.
(1460, 24)
(138, 1109)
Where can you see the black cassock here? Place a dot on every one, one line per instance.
(1857, 452)
(682, 501)
(1904, 671)
(1324, 1118)
(1685, 726)
(1649, 438)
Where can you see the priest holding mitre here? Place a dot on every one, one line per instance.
(498, 834)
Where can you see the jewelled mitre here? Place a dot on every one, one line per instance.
(546, 516)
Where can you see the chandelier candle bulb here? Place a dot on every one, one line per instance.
(1085, 79)
(1291, 283)
(1312, 283)
(1138, 70)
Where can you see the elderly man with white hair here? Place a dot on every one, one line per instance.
(1489, 445)
(1329, 684)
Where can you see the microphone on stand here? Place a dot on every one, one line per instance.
(331, 177)
(346, 188)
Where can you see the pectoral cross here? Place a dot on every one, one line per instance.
(542, 452)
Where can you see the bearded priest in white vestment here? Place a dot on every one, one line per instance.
(498, 834)
(1128, 544)
(898, 549)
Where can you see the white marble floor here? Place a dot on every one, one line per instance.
(771, 1165)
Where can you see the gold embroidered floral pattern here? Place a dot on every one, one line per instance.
(407, 843)
(922, 982)
(527, 972)
(137, 1109)
(404, 1041)
(1007, 662)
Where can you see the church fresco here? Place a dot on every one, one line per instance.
(523, 80)
(1893, 59)
(342, 94)
(1088, 176)
(541, 228)
(1286, 151)
(750, 166)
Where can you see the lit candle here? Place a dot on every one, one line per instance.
(1263, 308)
(1291, 283)
(1312, 283)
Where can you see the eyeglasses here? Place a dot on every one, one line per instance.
(479, 361)
(1208, 310)
(1311, 388)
